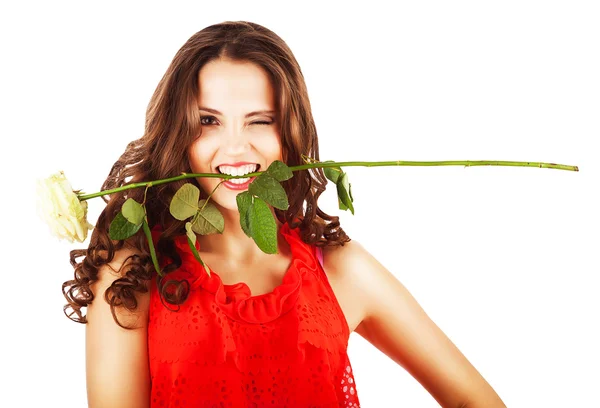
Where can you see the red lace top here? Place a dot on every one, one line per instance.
(226, 348)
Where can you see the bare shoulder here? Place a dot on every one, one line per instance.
(354, 264)
(346, 260)
(348, 268)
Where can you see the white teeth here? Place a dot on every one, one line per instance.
(240, 180)
(238, 171)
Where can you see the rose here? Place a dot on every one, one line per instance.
(65, 210)
(59, 206)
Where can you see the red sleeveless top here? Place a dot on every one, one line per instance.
(226, 348)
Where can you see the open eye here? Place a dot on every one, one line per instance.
(207, 117)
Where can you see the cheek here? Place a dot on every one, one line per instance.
(198, 156)
(272, 146)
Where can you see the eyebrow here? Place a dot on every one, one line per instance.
(259, 112)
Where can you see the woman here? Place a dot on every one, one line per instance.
(260, 329)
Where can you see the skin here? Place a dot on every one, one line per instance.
(376, 305)
(116, 359)
(235, 89)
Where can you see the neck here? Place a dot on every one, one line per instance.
(234, 245)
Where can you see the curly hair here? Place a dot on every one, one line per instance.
(172, 123)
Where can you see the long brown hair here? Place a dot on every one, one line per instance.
(172, 123)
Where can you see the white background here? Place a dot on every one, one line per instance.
(505, 260)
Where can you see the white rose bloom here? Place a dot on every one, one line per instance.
(60, 208)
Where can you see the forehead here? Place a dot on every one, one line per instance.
(229, 85)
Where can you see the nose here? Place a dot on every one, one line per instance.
(235, 141)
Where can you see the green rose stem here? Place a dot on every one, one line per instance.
(256, 218)
(466, 163)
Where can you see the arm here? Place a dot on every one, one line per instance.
(395, 323)
(117, 372)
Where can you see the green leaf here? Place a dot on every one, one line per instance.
(120, 228)
(191, 239)
(151, 246)
(279, 171)
(343, 188)
(269, 189)
(341, 205)
(332, 173)
(189, 232)
(133, 211)
(209, 220)
(185, 202)
(244, 201)
(263, 226)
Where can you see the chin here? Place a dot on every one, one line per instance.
(226, 200)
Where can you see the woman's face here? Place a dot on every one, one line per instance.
(239, 125)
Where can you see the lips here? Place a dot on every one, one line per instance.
(234, 186)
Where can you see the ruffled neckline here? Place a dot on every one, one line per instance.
(236, 300)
